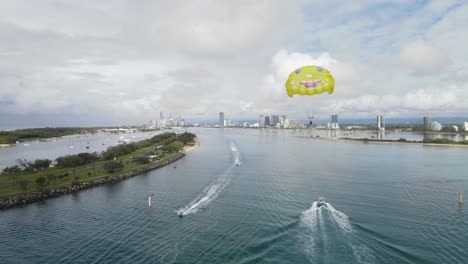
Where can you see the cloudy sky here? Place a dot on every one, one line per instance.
(122, 62)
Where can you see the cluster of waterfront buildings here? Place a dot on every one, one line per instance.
(282, 121)
(170, 121)
(276, 121)
(430, 125)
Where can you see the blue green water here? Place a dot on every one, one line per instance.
(389, 203)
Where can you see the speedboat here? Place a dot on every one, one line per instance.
(321, 202)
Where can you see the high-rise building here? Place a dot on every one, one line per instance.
(284, 122)
(334, 118)
(261, 121)
(275, 120)
(334, 122)
(221, 119)
(161, 116)
(465, 126)
(380, 122)
(436, 126)
(427, 122)
(177, 121)
(332, 126)
(267, 121)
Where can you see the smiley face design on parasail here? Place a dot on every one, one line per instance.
(310, 80)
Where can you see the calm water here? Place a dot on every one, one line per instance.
(388, 204)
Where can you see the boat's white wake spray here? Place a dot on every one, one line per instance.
(235, 153)
(320, 223)
(213, 190)
(340, 218)
(310, 217)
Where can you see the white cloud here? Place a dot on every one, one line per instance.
(422, 58)
(441, 100)
(130, 59)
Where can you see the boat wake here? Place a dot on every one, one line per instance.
(235, 153)
(314, 215)
(329, 230)
(340, 219)
(212, 191)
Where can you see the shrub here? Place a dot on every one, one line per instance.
(141, 159)
(162, 137)
(186, 137)
(143, 143)
(11, 170)
(174, 146)
(113, 166)
(41, 182)
(51, 178)
(41, 164)
(88, 157)
(24, 185)
(76, 181)
(76, 160)
(119, 150)
(25, 165)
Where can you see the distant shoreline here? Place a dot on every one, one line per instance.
(391, 142)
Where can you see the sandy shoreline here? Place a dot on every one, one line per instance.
(188, 148)
(5, 145)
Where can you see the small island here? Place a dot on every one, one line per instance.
(32, 181)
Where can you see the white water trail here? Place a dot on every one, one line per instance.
(363, 254)
(340, 219)
(309, 217)
(323, 233)
(235, 153)
(314, 219)
(310, 220)
(213, 190)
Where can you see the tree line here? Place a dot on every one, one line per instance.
(10, 137)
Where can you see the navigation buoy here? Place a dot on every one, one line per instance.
(461, 198)
(149, 198)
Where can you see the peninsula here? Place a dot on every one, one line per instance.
(32, 181)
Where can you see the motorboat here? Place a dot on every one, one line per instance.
(321, 202)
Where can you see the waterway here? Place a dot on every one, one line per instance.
(388, 203)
